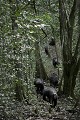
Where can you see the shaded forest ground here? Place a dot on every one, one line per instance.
(40, 110)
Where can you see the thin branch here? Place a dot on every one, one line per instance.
(72, 14)
(44, 33)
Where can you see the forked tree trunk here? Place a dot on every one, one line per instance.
(71, 62)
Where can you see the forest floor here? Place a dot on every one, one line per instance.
(38, 109)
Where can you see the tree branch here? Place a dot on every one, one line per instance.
(72, 14)
(77, 68)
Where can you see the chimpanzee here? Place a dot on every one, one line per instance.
(53, 78)
(55, 62)
(52, 42)
(47, 51)
(39, 84)
(50, 95)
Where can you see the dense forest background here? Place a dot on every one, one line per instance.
(26, 29)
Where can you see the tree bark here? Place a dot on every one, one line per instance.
(40, 70)
(70, 62)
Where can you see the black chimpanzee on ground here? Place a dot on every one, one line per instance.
(50, 95)
(55, 62)
(52, 42)
(39, 84)
(53, 78)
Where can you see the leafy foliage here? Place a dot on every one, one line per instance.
(22, 23)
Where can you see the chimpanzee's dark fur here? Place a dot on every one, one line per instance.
(53, 78)
(52, 42)
(55, 62)
(39, 84)
(50, 95)
(47, 51)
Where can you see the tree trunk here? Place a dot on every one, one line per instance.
(77, 50)
(70, 61)
(40, 70)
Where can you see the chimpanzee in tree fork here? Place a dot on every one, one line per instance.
(50, 95)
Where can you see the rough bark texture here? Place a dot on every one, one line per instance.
(70, 62)
(40, 70)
